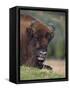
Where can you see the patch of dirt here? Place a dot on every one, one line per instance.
(57, 65)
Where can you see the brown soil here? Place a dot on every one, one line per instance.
(57, 65)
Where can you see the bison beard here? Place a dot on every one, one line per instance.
(34, 39)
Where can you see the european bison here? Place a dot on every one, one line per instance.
(34, 39)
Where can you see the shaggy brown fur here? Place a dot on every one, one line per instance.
(33, 35)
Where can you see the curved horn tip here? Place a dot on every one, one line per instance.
(51, 25)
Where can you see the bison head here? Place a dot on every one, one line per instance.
(34, 39)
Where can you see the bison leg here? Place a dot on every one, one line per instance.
(47, 67)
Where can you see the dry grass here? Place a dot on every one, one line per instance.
(31, 73)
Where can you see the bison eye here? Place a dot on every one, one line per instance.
(47, 35)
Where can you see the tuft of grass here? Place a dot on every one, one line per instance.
(31, 73)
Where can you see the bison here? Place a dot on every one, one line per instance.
(34, 39)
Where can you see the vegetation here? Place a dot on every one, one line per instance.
(30, 73)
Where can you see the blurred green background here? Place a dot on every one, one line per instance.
(56, 48)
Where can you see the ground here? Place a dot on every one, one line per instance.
(57, 65)
(31, 73)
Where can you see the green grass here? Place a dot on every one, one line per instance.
(31, 73)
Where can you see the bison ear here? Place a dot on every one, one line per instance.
(29, 32)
